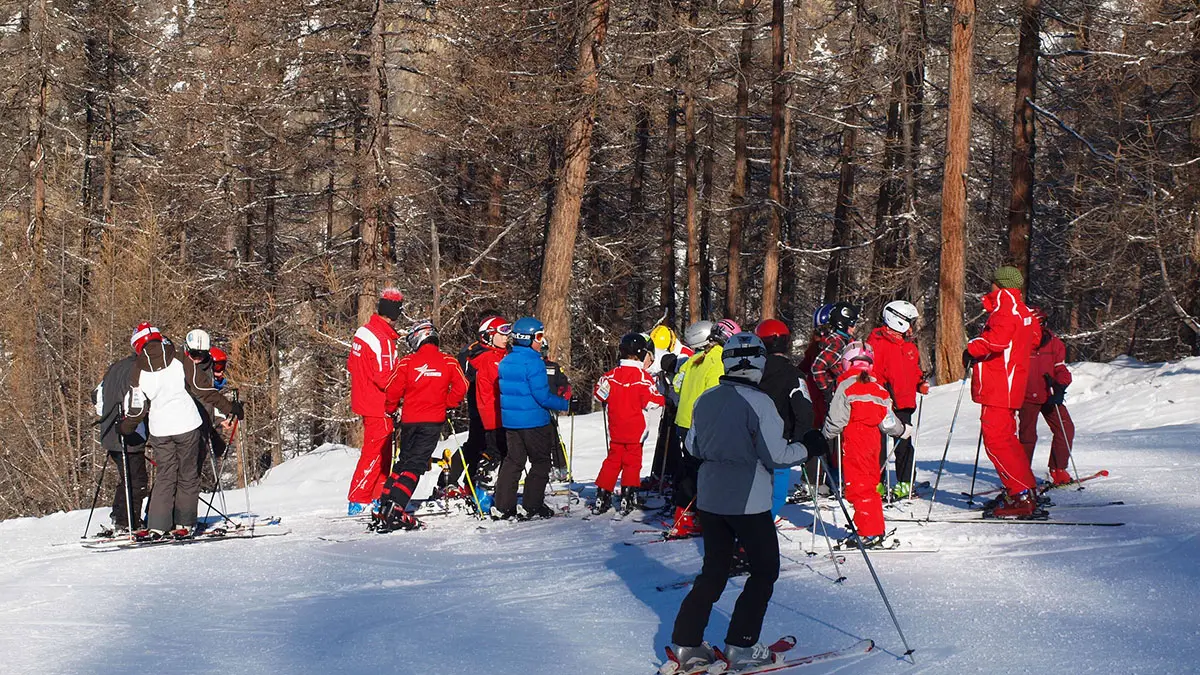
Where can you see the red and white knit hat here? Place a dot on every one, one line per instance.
(143, 334)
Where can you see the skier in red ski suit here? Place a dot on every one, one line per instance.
(1048, 381)
(999, 359)
(626, 391)
(372, 364)
(861, 408)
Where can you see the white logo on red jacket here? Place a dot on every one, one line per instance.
(422, 371)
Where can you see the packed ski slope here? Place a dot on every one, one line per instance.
(568, 596)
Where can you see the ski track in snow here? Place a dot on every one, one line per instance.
(567, 596)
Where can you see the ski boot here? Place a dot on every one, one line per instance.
(497, 514)
(684, 526)
(1060, 477)
(148, 535)
(688, 659)
(603, 502)
(901, 491)
(630, 500)
(540, 513)
(799, 494)
(392, 518)
(742, 658)
(1022, 506)
(869, 543)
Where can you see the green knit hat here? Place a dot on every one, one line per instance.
(1008, 276)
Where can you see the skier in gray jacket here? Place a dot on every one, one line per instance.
(738, 435)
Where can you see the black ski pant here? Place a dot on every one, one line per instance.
(534, 446)
(685, 479)
(495, 445)
(176, 481)
(476, 441)
(904, 451)
(417, 443)
(668, 449)
(558, 456)
(138, 483)
(722, 535)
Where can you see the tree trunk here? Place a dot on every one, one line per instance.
(838, 274)
(637, 202)
(495, 223)
(554, 295)
(708, 165)
(668, 233)
(691, 223)
(738, 214)
(770, 292)
(373, 162)
(1020, 208)
(952, 271)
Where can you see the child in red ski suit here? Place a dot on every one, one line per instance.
(625, 391)
(1044, 391)
(860, 409)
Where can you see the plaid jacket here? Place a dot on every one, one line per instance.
(825, 368)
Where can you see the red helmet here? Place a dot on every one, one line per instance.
(218, 358)
(493, 326)
(775, 334)
(145, 332)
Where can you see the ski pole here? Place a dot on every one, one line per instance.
(949, 435)
(218, 512)
(978, 447)
(879, 585)
(912, 478)
(1070, 443)
(95, 496)
(571, 454)
(242, 458)
(820, 522)
(467, 472)
(662, 469)
(128, 490)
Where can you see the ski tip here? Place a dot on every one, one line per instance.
(1102, 472)
(868, 645)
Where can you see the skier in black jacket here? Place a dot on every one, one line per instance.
(110, 400)
(784, 383)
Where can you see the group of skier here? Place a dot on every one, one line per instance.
(166, 401)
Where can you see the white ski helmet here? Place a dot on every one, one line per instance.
(698, 334)
(744, 351)
(197, 340)
(899, 315)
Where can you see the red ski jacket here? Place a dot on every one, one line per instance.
(1049, 357)
(1002, 350)
(372, 364)
(627, 390)
(860, 411)
(897, 366)
(429, 382)
(486, 365)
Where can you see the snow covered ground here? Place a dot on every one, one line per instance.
(568, 596)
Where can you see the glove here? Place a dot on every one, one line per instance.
(565, 392)
(237, 410)
(816, 444)
(1057, 394)
(908, 431)
(923, 387)
(967, 359)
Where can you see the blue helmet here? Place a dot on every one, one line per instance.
(821, 315)
(526, 330)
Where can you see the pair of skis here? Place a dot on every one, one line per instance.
(209, 536)
(779, 652)
(1046, 488)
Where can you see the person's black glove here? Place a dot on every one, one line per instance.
(818, 447)
(1058, 393)
(967, 359)
(237, 410)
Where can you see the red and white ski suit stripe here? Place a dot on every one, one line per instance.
(372, 365)
(859, 411)
(998, 382)
(626, 391)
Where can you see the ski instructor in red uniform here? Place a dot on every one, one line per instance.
(372, 364)
(999, 363)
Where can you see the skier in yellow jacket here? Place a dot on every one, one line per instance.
(697, 375)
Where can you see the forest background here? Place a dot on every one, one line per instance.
(261, 168)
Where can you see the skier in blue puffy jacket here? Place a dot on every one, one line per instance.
(525, 405)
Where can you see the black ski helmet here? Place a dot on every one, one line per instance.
(843, 316)
(634, 346)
